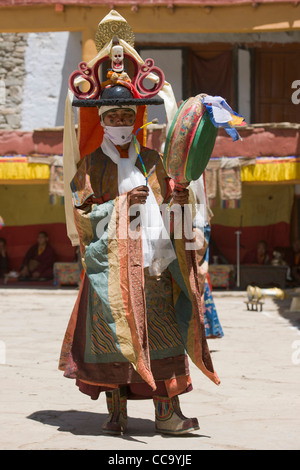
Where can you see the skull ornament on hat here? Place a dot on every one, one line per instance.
(117, 59)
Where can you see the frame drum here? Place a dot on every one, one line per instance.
(190, 142)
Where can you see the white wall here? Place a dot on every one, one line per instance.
(50, 58)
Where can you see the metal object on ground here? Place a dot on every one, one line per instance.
(255, 294)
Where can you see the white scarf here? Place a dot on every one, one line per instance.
(158, 250)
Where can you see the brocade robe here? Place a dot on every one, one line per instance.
(128, 328)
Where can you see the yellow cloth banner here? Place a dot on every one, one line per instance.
(271, 172)
(24, 171)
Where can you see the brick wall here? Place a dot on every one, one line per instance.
(12, 75)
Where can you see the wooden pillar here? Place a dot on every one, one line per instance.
(89, 50)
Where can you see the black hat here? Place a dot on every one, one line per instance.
(117, 95)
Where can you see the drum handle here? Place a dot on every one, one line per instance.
(155, 121)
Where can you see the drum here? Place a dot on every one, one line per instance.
(190, 142)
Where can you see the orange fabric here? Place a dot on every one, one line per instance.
(143, 359)
(41, 249)
(123, 152)
(90, 131)
(69, 334)
(177, 385)
(174, 386)
(112, 386)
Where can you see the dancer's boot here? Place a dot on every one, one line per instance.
(169, 418)
(116, 422)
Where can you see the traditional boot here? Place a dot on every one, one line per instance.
(169, 418)
(116, 422)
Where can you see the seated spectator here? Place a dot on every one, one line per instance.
(39, 260)
(258, 256)
(3, 258)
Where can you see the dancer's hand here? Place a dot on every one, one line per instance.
(181, 197)
(138, 195)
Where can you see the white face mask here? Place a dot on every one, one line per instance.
(119, 135)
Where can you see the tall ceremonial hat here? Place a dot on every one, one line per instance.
(115, 45)
(114, 41)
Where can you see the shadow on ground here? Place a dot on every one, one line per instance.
(85, 423)
(285, 312)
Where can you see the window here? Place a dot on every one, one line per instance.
(275, 69)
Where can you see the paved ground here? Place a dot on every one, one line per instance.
(257, 406)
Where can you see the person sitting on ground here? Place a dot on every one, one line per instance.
(3, 258)
(258, 256)
(39, 260)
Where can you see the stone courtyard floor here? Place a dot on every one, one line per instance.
(257, 405)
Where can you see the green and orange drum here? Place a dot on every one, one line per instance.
(190, 142)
